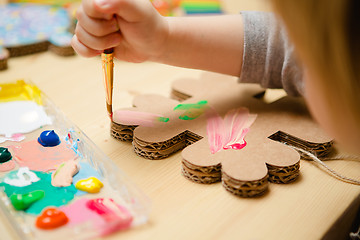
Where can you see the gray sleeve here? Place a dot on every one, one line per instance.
(268, 57)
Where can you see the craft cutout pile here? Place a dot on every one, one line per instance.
(227, 133)
(53, 177)
(31, 28)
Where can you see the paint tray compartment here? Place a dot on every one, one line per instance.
(117, 187)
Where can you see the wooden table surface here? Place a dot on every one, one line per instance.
(182, 209)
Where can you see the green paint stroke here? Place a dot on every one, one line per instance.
(163, 119)
(192, 110)
(54, 196)
(24, 201)
(58, 169)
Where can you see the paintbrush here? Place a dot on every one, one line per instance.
(107, 58)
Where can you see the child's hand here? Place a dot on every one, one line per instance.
(137, 32)
(132, 27)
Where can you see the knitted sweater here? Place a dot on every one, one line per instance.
(268, 57)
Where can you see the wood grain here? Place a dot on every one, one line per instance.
(182, 209)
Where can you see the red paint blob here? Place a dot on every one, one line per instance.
(51, 218)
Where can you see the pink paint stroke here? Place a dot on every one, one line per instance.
(104, 215)
(16, 137)
(215, 130)
(228, 133)
(33, 155)
(127, 117)
(7, 166)
(116, 216)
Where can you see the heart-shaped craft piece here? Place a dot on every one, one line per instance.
(51, 218)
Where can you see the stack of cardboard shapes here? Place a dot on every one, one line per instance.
(245, 172)
(31, 28)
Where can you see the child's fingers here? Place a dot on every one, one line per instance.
(97, 43)
(97, 27)
(129, 10)
(90, 9)
(82, 50)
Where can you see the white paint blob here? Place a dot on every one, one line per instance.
(23, 177)
(21, 117)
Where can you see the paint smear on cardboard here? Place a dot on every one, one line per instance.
(127, 117)
(192, 110)
(230, 132)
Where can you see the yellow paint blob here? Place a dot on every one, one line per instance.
(19, 91)
(90, 185)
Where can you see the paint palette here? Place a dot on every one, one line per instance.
(55, 183)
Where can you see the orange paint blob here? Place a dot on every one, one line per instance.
(51, 218)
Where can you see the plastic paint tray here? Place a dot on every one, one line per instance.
(116, 184)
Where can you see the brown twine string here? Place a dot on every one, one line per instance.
(355, 236)
(330, 170)
(352, 235)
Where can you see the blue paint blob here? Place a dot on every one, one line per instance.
(49, 138)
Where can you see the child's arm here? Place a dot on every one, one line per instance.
(251, 45)
(208, 43)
